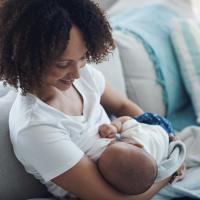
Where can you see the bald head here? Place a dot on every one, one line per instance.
(127, 168)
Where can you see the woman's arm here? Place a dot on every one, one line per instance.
(117, 104)
(85, 182)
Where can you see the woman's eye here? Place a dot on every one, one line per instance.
(62, 65)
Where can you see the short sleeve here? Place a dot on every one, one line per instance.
(48, 150)
(98, 78)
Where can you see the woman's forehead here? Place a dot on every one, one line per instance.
(76, 47)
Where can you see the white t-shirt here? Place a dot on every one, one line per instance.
(48, 142)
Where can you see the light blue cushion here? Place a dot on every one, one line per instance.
(186, 41)
(151, 26)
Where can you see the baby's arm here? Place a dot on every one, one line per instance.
(110, 130)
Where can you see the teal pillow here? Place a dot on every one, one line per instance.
(186, 41)
(151, 25)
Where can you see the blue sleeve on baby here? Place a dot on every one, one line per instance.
(155, 119)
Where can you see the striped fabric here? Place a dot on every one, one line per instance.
(186, 41)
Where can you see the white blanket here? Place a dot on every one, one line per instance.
(190, 185)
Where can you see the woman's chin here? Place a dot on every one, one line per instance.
(64, 85)
(63, 88)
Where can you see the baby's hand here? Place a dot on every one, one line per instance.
(107, 131)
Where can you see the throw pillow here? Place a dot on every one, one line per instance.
(186, 41)
(139, 74)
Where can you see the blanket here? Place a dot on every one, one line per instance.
(190, 185)
(176, 156)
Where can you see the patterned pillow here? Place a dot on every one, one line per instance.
(186, 41)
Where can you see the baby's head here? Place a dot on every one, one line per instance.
(128, 168)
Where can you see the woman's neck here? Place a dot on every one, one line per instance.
(46, 93)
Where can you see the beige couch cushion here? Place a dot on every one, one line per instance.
(15, 183)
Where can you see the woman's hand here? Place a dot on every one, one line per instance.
(179, 174)
(172, 138)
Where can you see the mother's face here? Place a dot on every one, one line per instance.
(67, 68)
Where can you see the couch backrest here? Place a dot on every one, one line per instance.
(112, 70)
(15, 183)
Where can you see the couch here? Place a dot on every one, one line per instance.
(129, 69)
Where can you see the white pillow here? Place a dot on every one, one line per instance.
(139, 74)
(112, 70)
(6, 102)
(3, 90)
(186, 41)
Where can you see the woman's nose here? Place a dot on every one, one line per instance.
(77, 73)
(76, 70)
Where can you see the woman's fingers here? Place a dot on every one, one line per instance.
(179, 174)
(172, 138)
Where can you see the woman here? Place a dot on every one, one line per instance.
(44, 48)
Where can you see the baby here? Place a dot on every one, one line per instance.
(130, 163)
(128, 168)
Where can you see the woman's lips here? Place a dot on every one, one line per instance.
(67, 81)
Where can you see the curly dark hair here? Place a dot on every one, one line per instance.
(34, 33)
